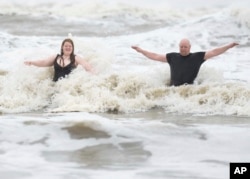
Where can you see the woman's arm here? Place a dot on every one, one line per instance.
(84, 64)
(41, 63)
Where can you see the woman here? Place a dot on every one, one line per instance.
(63, 63)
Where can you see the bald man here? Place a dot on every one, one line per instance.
(184, 66)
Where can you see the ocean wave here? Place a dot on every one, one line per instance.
(87, 17)
(123, 92)
(126, 82)
(242, 16)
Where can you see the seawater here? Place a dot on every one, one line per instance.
(126, 121)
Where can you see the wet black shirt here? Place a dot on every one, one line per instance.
(61, 72)
(184, 69)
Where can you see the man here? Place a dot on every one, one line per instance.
(184, 66)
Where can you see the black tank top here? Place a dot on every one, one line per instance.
(61, 72)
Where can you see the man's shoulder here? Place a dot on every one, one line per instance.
(198, 55)
(173, 53)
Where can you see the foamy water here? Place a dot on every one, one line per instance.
(125, 121)
(121, 84)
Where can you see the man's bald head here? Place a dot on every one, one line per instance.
(184, 47)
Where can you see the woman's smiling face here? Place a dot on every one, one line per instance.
(67, 48)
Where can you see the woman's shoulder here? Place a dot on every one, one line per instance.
(53, 56)
(78, 57)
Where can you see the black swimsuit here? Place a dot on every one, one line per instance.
(61, 72)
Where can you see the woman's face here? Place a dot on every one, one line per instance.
(67, 48)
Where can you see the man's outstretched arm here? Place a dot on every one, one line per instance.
(217, 51)
(151, 55)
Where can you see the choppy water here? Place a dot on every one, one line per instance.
(126, 121)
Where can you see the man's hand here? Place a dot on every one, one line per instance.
(233, 44)
(28, 63)
(138, 49)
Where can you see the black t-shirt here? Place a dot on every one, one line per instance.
(184, 69)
